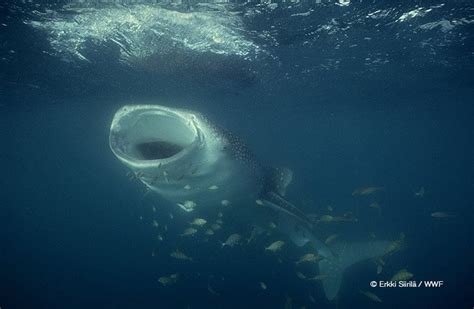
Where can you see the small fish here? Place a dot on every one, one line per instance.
(153, 208)
(372, 296)
(375, 205)
(254, 233)
(168, 280)
(232, 240)
(311, 298)
(209, 232)
(309, 257)
(442, 215)
(198, 222)
(187, 206)
(275, 246)
(420, 192)
(319, 277)
(331, 238)
(219, 221)
(402, 275)
(155, 223)
(272, 225)
(259, 202)
(189, 231)
(330, 208)
(187, 187)
(220, 214)
(214, 187)
(215, 226)
(379, 269)
(326, 218)
(366, 190)
(263, 285)
(380, 263)
(159, 237)
(395, 245)
(180, 255)
(300, 275)
(225, 203)
(171, 216)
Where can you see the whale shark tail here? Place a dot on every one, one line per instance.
(332, 267)
(336, 258)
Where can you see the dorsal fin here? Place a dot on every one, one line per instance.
(278, 179)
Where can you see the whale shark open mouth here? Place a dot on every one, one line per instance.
(157, 150)
(150, 133)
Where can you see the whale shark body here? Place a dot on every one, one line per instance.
(187, 160)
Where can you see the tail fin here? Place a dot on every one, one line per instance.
(345, 255)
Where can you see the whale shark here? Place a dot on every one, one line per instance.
(196, 165)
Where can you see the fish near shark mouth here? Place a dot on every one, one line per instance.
(146, 134)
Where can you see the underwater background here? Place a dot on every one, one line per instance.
(348, 94)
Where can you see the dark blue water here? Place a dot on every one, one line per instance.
(76, 233)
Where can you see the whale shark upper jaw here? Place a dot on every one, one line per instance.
(144, 136)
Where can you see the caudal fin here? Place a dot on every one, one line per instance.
(344, 255)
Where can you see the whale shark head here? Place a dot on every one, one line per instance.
(180, 154)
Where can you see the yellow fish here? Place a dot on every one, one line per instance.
(442, 215)
(300, 275)
(168, 280)
(380, 264)
(366, 190)
(275, 246)
(372, 296)
(331, 238)
(309, 257)
(326, 218)
(375, 205)
(189, 231)
(215, 226)
(199, 222)
(180, 255)
(402, 275)
(395, 245)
